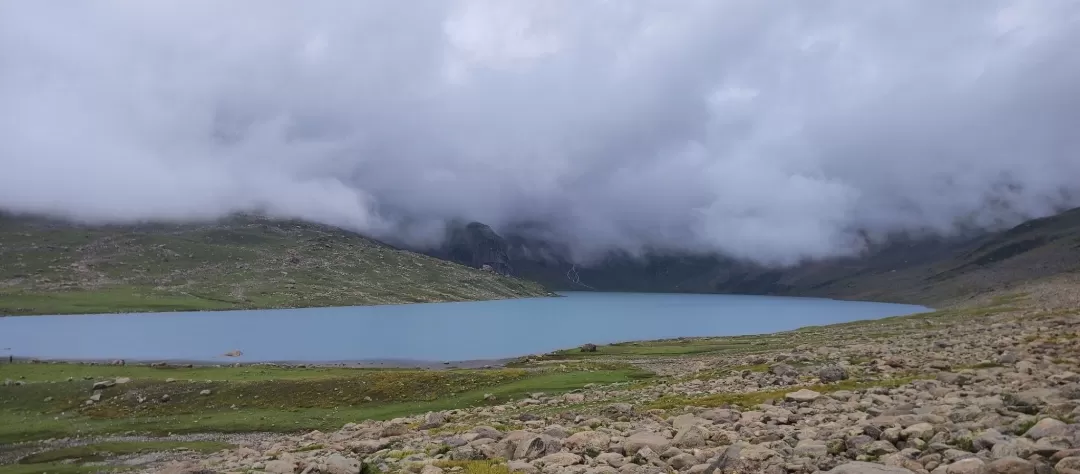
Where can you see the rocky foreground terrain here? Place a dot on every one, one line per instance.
(993, 387)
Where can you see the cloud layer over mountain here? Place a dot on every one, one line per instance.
(773, 131)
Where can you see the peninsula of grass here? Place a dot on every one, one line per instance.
(51, 402)
(101, 451)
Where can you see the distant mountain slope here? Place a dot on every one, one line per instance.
(925, 271)
(931, 272)
(50, 267)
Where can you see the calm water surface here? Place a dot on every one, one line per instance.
(421, 332)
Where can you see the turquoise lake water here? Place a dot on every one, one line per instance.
(421, 332)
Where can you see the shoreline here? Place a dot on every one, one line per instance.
(285, 364)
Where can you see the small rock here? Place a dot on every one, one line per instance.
(559, 460)
(521, 466)
(433, 419)
(1046, 427)
(585, 441)
(104, 384)
(619, 409)
(642, 439)
(1008, 358)
(832, 373)
(682, 461)
(923, 431)
(783, 370)
(1010, 465)
(1070, 465)
(693, 436)
(967, 466)
(394, 429)
(278, 466)
(338, 464)
(204, 392)
(804, 395)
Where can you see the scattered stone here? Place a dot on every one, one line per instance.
(338, 464)
(1046, 427)
(803, 395)
(642, 439)
(204, 392)
(967, 466)
(433, 419)
(693, 436)
(588, 441)
(832, 373)
(859, 467)
(278, 466)
(104, 384)
(1010, 465)
(536, 446)
(559, 460)
(783, 370)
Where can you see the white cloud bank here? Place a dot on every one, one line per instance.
(767, 130)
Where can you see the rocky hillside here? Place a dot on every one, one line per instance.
(927, 271)
(983, 390)
(48, 267)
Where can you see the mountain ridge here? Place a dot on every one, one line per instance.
(931, 270)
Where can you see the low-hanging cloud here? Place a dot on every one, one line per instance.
(773, 131)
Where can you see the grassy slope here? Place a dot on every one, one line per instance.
(52, 268)
(255, 398)
(948, 272)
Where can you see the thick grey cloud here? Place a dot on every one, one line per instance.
(767, 130)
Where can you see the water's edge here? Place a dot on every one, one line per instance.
(422, 335)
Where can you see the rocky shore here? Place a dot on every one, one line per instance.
(993, 391)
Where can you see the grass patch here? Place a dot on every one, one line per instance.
(476, 467)
(58, 469)
(751, 399)
(104, 300)
(248, 399)
(102, 451)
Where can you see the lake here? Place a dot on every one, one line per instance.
(421, 332)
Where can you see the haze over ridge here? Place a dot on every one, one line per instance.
(768, 131)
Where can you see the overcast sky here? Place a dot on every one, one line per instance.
(773, 131)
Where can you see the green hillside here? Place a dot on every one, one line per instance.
(47, 267)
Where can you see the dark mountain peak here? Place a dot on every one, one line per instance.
(477, 245)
